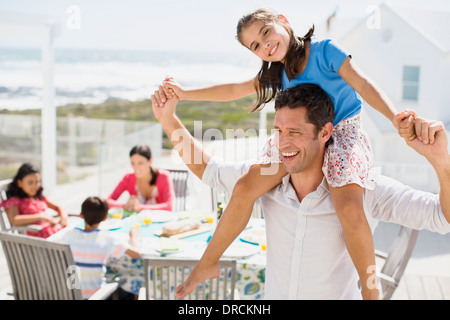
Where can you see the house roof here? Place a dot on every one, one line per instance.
(432, 23)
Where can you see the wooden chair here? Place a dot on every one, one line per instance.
(179, 178)
(41, 270)
(220, 196)
(163, 275)
(395, 261)
(5, 224)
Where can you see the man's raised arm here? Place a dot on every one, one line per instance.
(435, 151)
(189, 149)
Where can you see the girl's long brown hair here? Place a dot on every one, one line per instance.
(269, 76)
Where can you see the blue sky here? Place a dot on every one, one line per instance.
(200, 25)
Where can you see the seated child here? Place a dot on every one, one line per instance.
(27, 204)
(91, 247)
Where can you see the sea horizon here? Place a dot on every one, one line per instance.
(95, 75)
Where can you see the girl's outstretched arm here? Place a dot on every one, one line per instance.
(60, 212)
(367, 89)
(372, 94)
(221, 92)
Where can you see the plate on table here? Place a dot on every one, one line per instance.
(240, 250)
(158, 215)
(111, 224)
(254, 236)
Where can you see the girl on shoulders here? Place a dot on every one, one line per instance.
(288, 60)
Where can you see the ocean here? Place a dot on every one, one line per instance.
(93, 76)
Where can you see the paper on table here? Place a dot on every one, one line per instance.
(169, 244)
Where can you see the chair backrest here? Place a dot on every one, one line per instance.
(179, 178)
(40, 269)
(4, 220)
(163, 275)
(396, 260)
(219, 196)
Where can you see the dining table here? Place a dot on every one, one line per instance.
(248, 249)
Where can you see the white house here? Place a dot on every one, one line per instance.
(406, 51)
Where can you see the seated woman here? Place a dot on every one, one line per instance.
(26, 203)
(149, 188)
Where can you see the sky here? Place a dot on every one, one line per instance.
(170, 25)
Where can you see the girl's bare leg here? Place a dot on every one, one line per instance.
(252, 185)
(348, 203)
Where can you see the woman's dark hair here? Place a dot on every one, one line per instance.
(269, 76)
(94, 210)
(13, 189)
(145, 151)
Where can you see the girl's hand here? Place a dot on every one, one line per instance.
(404, 123)
(49, 219)
(63, 220)
(168, 90)
(172, 89)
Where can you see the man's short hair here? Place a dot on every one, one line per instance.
(94, 210)
(319, 107)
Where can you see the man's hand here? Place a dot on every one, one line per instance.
(162, 111)
(435, 134)
(437, 154)
(169, 89)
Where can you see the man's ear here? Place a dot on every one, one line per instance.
(326, 131)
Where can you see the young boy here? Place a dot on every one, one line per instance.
(91, 247)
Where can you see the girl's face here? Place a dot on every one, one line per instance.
(268, 40)
(30, 184)
(140, 165)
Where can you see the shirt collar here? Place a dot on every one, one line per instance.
(321, 189)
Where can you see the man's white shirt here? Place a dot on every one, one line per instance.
(306, 253)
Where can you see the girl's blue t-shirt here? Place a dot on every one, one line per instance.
(325, 58)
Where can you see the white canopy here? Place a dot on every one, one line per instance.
(46, 28)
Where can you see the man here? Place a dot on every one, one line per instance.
(306, 252)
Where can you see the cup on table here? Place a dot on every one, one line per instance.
(115, 213)
(263, 245)
(146, 220)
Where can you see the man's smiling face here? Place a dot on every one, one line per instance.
(297, 140)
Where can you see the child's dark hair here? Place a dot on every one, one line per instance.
(94, 210)
(145, 151)
(319, 107)
(13, 189)
(270, 77)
